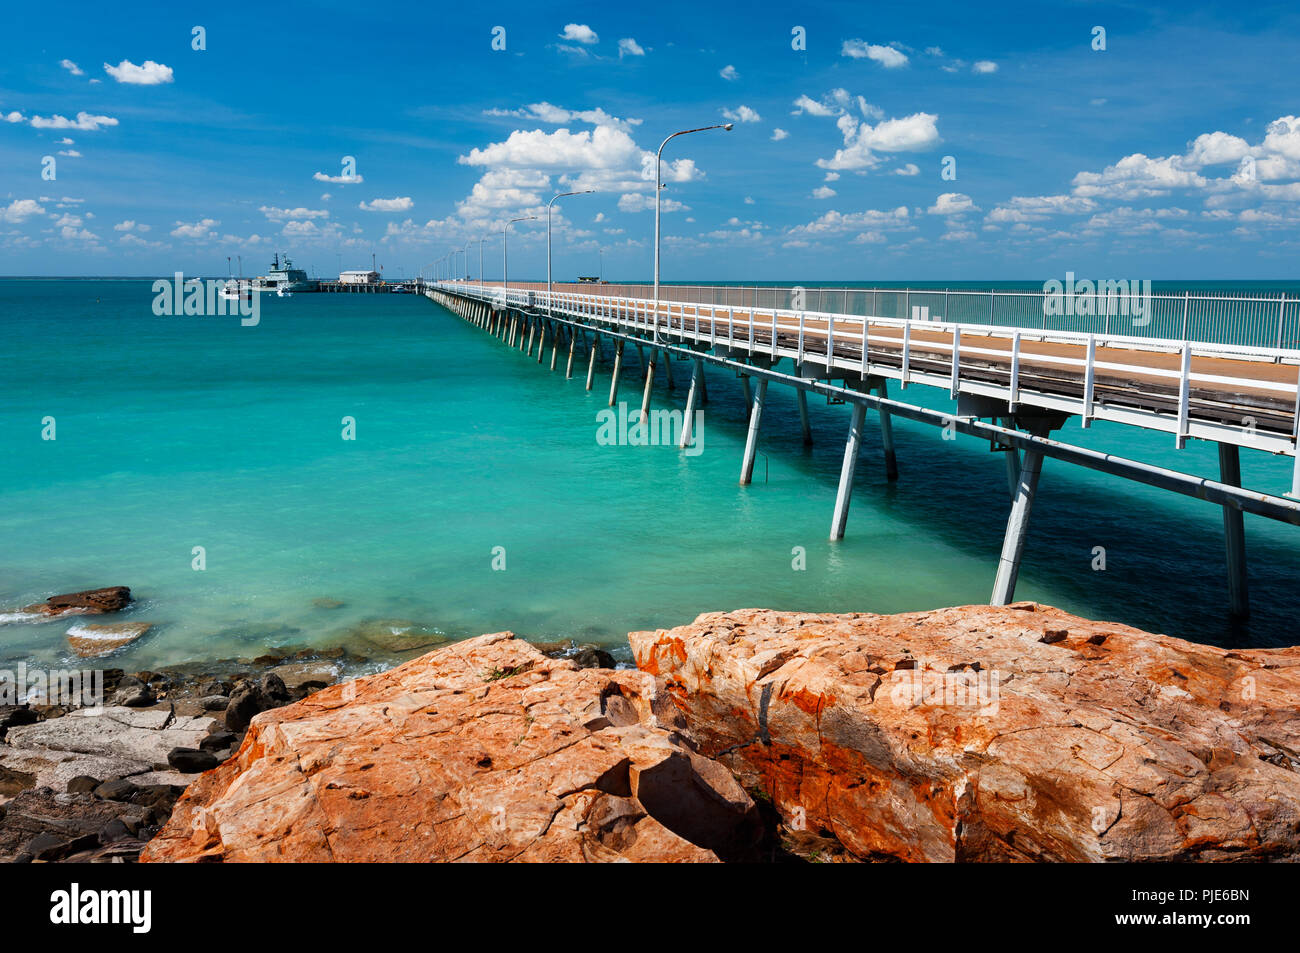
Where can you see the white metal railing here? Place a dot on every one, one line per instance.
(1254, 320)
(836, 338)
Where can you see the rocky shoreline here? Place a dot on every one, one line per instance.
(975, 733)
(95, 784)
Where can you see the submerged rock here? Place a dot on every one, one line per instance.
(483, 751)
(92, 641)
(992, 734)
(398, 635)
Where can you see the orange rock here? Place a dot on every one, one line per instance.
(981, 733)
(483, 751)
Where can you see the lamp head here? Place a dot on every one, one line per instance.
(728, 127)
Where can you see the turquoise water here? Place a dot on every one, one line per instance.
(176, 432)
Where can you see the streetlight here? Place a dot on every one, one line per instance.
(548, 243)
(659, 188)
(505, 250)
(480, 260)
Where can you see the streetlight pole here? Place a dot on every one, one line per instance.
(480, 261)
(659, 188)
(549, 310)
(505, 250)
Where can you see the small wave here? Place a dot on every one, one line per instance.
(30, 618)
(83, 630)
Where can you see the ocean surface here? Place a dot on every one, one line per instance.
(179, 432)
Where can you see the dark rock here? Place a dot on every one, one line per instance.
(16, 717)
(192, 760)
(91, 601)
(268, 660)
(113, 831)
(593, 658)
(246, 701)
(273, 687)
(46, 846)
(119, 789)
(210, 687)
(214, 702)
(133, 692)
(134, 697)
(83, 784)
(218, 741)
(160, 797)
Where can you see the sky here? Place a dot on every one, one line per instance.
(943, 141)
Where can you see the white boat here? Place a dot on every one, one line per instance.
(236, 293)
(283, 292)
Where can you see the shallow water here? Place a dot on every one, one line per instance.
(177, 432)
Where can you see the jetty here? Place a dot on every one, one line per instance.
(1018, 365)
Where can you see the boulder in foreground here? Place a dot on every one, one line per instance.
(484, 751)
(991, 734)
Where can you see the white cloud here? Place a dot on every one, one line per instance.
(1036, 208)
(823, 192)
(124, 226)
(640, 202)
(806, 104)
(886, 56)
(84, 121)
(741, 114)
(76, 233)
(1137, 176)
(908, 169)
(70, 153)
(862, 140)
(284, 214)
(749, 200)
(148, 74)
(953, 203)
(779, 134)
(984, 66)
(72, 68)
(838, 102)
(14, 116)
(338, 179)
(604, 147)
(579, 33)
(728, 72)
(200, 229)
(557, 115)
(402, 204)
(1215, 148)
(837, 223)
(629, 47)
(19, 210)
